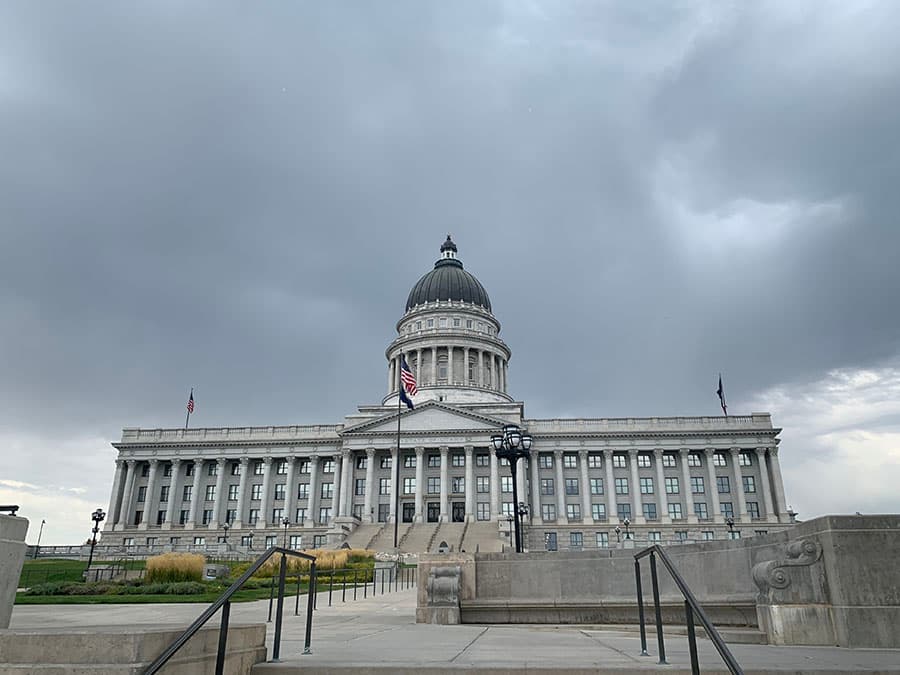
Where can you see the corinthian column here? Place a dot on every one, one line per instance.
(560, 487)
(445, 479)
(420, 484)
(764, 485)
(739, 485)
(778, 486)
(220, 498)
(368, 516)
(470, 483)
(713, 486)
(495, 487)
(149, 508)
(688, 493)
(128, 496)
(612, 514)
(638, 515)
(661, 485)
(586, 515)
(174, 496)
(114, 498)
(313, 502)
(242, 493)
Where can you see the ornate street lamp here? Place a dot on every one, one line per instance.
(97, 516)
(250, 541)
(512, 446)
(729, 521)
(522, 512)
(286, 523)
(618, 531)
(627, 524)
(225, 527)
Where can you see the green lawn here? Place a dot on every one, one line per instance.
(61, 569)
(205, 598)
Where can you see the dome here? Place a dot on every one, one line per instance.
(448, 281)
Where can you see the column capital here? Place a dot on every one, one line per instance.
(583, 453)
(633, 452)
(346, 452)
(709, 452)
(395, 451)
(558, 452)
(773, 451)
(420, 451)
(153, 461)
(221, 461)
(370, 453)
(468, 449)
(657, 452)
(120, 462)
(444, 450)
(245, 461)
(608, 452)
(313, 459)
(291, 460)
(734, 451)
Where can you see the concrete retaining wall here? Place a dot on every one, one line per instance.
(12, 554)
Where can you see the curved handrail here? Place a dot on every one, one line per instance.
(708, 626)
(189, 632)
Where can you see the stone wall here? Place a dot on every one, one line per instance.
(12, 554)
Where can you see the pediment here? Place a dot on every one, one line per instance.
(429, 417)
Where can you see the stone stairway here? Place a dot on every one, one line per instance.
(483, 537)
(384, 540)
(449, 532)
(363, 535)
(417, 538)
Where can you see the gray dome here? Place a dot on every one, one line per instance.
(448, 281)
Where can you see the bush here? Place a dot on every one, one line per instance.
(326, 560)
(172, 567)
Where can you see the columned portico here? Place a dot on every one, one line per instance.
(369, 515)
(661, 485)
(688, 493)
(242, 493)
(174, 494)
(765, 486)
(638, 515)
(713, 486)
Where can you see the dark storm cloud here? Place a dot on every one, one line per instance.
(239, 199)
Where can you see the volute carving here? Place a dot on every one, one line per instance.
(774, 575)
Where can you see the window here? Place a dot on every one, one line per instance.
(358, 510)
(328, 466)
(570, 461)
(363, 462)
(456, 322)
(281, 467)
(482, 459)
(722, 484)
(668, 460)
(573, 511)
(646, 486)
(469, 323)
(230, 516)
(506, 508)
(296, 541)
(434, 485)
(235, 468)
(675, 511)
(409, 486)
(386, 462)
(442, 322)
(418, 325)
(360, 488)
(167, 469)
(207, 516)
(650, 511)
(753, 509)
(210, 493)
(430, 323)
(759, 533)
(409, 461)
(212, 469)
(258, 468)
(199, 541)
(164, 493)
(458, 484)
(142, 494)
(279, 491)
(571, 486)
(256, 491)
(654, 537)
(253, 516)
(618, 461)
(545, 460)
(277, 515)
(304, 466)
(643, 460)
(484, 511)
(745, 459)
(694, 459)
(327, 491)
(700, 510)
(719, 459)
(603, 540)
(576, 540)
(548, 512)
(726, 509)
(324, 514)
(697, 486)
(319, 540)
(681, 535)
(186, 493)
(434, 461)
(598, 511)
(271, 540)
(189, 469)
(303, 491)
(174, 541)
(145, 470)
(160, 517)
(482, 484)
(457, 459)
(596, 486)
(384, 486)
(707, 535)
(672, 486)
(506, 484)
(736, 534)
(749, 483)
(623, 511)
(301, 516)
(594, 461)
(621, 486)
(183, 516)
(233, 493)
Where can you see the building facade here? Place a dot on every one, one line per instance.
(668, 479)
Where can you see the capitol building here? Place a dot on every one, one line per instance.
(588, 482)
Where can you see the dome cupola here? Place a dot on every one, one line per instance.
(448, 281)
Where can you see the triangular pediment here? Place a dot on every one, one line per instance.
(428, 417)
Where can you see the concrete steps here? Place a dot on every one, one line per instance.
(417, 538)
(483, 537)
(448, 532)
(384, 540)
(363, 535)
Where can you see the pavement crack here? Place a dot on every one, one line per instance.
(593, 638)
(471, 642)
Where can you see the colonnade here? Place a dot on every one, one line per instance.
(490, 368)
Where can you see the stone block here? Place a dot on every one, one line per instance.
(12, 555)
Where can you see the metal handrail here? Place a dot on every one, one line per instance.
(691, 607)
(224, 603)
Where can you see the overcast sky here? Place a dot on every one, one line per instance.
(238, 197)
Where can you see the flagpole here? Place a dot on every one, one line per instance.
(397, 462)
(188, 416)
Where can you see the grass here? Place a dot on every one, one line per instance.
(244, 595)
(175, 567)
(61, 569)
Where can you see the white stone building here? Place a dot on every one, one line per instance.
(671, 478)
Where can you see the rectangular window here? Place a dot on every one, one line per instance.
(598, 511)
(576, 541)
(386, 462)
(324, 514)
(258, 468)
(362, 462)
(279, 491)
(230, 515)
(759, 533)
(675, 511)
(458, 484)
(212, 469)
(409, 461)
(546, 486)
(233, 493)
(456, 322)
(571, 486)
(328, 466)
(301, 516)
(726, 509)
(643, 460)
(548, 512)
(186, 493)
(189, 469)
(484, 511)
(545, 460)
(271, 540)
(303, 491)
(442, 322)
(603, 540)
(210, 493)
(573, 511)
(506, 484)
(694, 459)
(723, 485)
(254, 516)
(506, 508)
(736, 534)
(360, 489)
(142, 494)
(697, 486)
(384, 486)
(235, 468)
(746, 459)
(753, 509)
(296, 541)
(482, 459)
(650, 511)
(681, 535)
(595, 461)
(672, 486)
(164, 493)
(145, 470)
(457, 459)
(358, 510)
(482, 484)
(207, 516)
(277, 515)
(749, 483)
(327, 491)
(183, 516)
(618, 461)
(719, 459)
(281, 467)
(707, 535)
(668, 460)
(570, 461)
(199, 541)
(304, 466)
(623, 511)
(434, 461)
(646, 486)
(319, 540)
(621, 486)
(434, 485)
(256, 491)
(430, 323)
(409, 486)
(167, 469)
(700, 510)
(596, 486)
(160, 517)
(654, 537)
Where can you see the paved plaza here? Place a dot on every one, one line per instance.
(379, 635)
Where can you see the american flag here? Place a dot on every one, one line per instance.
(407, 378)
(190, 405)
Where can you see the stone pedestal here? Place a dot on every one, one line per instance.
(12, 555)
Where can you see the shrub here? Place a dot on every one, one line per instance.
(171, 567)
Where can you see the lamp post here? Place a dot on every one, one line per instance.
(250, 541)
(512, 445)
(627, 524)
(97, 516)
(522, 512)
(729, 521)
(225, 527)
(286, 523)
(37, 548)
(618, 531)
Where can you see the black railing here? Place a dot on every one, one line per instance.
(224, 603)
(691, 608)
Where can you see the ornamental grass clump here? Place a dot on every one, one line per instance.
(170, 567)
(326, 559)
